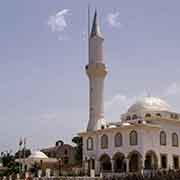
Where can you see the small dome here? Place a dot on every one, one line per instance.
(38, 155)
(149, 104)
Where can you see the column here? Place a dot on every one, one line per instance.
(170, 161)
(112, 165)
(127, 165)
(97, 167)
(159, 162)
(141, 165)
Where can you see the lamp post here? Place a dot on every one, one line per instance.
(59, 165)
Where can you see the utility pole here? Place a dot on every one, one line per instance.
(20, 149)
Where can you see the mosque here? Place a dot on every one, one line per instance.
(146, 136)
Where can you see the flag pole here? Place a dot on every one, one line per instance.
(24, 154)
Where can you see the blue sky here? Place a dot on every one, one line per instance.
(43, 51)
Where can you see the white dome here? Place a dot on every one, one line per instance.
(149, 104)
(38, 155)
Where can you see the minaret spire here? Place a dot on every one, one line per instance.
(95, 31)
(96, 71)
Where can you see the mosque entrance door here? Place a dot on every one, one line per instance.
(119, 162)
(135, 161)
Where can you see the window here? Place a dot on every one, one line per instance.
(118, 140)
(148, 115)
(104, 141)
(90, 144)
(175, 140)
(162, 138)
(133, 138)
(128, 118)
(134, 116)
(176, 162)
(163, 161)
(65, 151)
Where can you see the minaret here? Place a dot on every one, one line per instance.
(96, 71)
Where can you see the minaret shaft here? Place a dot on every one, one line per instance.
(96, 71)
(95, 50)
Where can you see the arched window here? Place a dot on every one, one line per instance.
(90, 143)
(118, 140)
(104, 141)
(158, 115)
(174, 139)
(162, 138)
(133, 137)
(128, 118)
(134, 116)
(148, 115)
(174, 116)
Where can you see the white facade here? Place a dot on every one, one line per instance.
(146, 136)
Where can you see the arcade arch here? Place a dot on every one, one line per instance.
(151, 160)
(119, 162)
(135, 161)
(105, 163)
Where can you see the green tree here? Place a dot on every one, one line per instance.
(8, 160)
(78, 148)
(23, 153)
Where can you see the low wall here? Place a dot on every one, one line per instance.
(68, 178)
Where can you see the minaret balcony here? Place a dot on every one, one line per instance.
(97, 69)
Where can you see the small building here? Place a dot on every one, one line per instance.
(64, 152)
(40, 162)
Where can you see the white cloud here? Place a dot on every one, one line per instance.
(172, 89)
(118, 99)
(119, 104)
(113, 20)
(58, 22)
